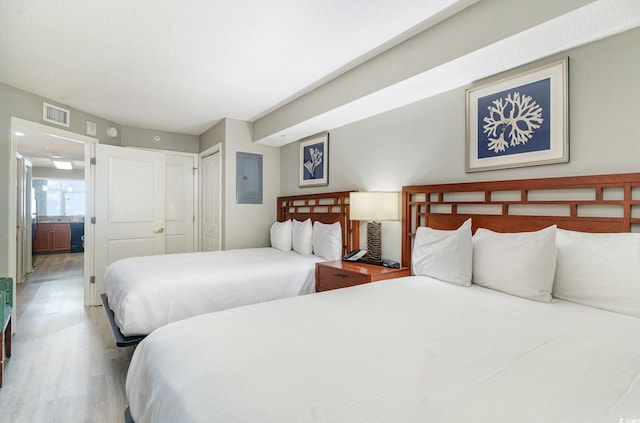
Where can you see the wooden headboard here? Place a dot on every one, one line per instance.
(329, 207)
(601, 203)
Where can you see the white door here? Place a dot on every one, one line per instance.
(129, 206)
(210, 201)
(180, 218)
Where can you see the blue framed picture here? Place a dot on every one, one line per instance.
(314, 161)
(519, 121)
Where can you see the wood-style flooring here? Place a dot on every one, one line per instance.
(64, 366)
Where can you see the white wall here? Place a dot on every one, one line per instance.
(52, 173)
(247, 225)
(169, 141)
(425, 142)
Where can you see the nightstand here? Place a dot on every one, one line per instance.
(341, 274)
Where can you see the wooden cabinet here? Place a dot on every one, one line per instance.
(341, 274)
(42, 240)
(52, 237)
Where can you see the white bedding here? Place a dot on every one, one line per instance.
(148, 292)
(404, 350)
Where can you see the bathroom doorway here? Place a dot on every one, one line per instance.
(44, 223)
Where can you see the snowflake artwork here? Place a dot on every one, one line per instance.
(316, 160)
(514, 121)
(517, 115)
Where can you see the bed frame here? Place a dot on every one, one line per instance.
(599, 203)
(328, 207)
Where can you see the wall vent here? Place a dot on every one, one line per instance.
(55, 114)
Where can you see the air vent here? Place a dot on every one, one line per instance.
(55, 114)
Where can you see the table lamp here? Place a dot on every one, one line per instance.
(374, 207)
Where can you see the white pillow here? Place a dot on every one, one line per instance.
(303, 237)
(521, 263)
(599, 270)
(444, 255)
(281, 235)
(327, 240)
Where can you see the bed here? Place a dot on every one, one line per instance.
(145, 293)
(423, 349)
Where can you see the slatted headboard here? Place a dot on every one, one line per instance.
(601, 203)
(327, 207)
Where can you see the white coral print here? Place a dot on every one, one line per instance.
(316, 160)
(518, 114)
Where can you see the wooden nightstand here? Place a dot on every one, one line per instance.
(341, 274)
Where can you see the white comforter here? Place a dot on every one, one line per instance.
(148, 292)
(404, 350)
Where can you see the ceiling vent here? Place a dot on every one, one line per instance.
(55, 114)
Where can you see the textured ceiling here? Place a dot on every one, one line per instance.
(183, 66)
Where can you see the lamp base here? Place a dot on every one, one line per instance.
(374, 242)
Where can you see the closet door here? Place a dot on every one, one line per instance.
(129, 206)
(210, 192)
(180, 197)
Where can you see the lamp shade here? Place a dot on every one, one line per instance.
(374, 205)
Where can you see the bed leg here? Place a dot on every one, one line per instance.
(127, 416)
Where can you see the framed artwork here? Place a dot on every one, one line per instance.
(314, 161)
(519, 121)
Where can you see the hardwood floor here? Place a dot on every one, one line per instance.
(64, 366)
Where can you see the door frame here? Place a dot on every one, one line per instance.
(28, 213)
(23, 218)
(89, 143)
(206, 153)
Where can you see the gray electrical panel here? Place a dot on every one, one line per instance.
(248, 178)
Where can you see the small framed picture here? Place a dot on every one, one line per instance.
(314, 161)
(519, 121)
